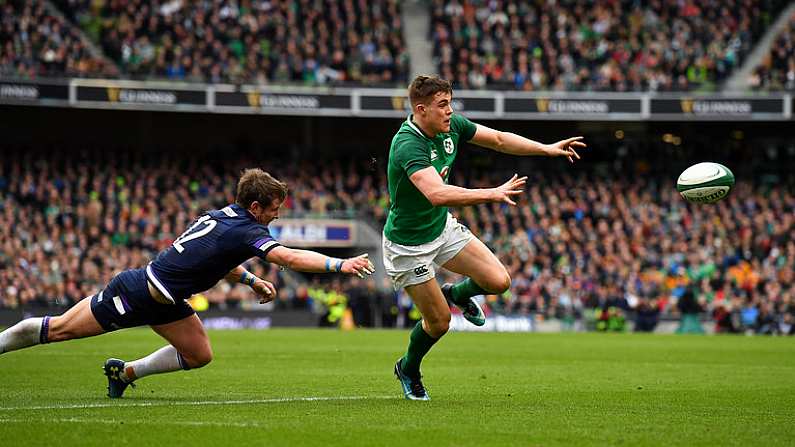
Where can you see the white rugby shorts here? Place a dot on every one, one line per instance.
(408, 265)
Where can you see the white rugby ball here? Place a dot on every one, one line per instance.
(705, 182)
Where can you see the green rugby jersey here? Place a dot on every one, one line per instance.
(412, 220)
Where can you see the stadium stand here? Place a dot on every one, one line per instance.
(595, 46)
(74, 224)
(579, 247)
(777, 71)
(36, 43)
(309, 42)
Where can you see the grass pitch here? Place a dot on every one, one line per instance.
(325, 387)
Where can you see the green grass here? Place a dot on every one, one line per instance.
(487, 389)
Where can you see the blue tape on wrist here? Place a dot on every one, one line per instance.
(328, 264)
(247, 279)
(339, 265)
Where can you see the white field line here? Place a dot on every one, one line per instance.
(131, 422)
(117, 404)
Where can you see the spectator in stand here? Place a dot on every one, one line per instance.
(36, 43)
(330, 42)
(628, 242)
(622, 45)
(777, 70)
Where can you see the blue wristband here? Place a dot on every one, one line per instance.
(328, 264)
(247, 278)
(339, 265)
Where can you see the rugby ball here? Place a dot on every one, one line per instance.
(705, 182)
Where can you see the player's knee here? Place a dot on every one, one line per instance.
(199, 358)
(438, 326)
(498, 283)
(504, 282)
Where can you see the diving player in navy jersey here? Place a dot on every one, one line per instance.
(211, 249)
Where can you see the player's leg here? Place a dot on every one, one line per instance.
(412, 268)
(485, 273)
(189, 347)
(435, 322)
(128, 301)
(77, 322)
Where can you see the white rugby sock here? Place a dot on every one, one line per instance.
(26, 333)
(165, 359)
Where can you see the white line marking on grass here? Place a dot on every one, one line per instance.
(131, 422)
(195, 403)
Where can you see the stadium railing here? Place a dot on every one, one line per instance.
(388, 103)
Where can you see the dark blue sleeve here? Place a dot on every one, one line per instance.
(259, 241)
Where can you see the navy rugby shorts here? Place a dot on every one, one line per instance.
(126, 302)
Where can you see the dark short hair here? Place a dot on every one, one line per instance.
(256, 185)
(424, 87)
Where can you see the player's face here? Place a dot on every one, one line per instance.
(266, 214)
(437, 113)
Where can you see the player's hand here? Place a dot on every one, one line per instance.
(359, 266)
(566, 148)
(507, 190)
(265, 290)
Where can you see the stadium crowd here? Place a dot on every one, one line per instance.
(36, 42)
(576, 248)
(777, 70)
(305, 41)
(626, 45)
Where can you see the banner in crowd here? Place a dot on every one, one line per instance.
(34, 93)
(138, 95)
(495, 323)
(258, 100)
(557, 107)
(721, 108)
(392, 103)
(314, 232)
(395, 103)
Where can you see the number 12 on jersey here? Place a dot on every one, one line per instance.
(205, 220)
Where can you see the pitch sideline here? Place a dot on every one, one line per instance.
(195, 403)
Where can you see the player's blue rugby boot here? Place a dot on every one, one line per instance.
(116, 386)
(412, 388)
(471, 310)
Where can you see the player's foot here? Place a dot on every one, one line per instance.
(116, 386)
(412, 388)
(471, 310)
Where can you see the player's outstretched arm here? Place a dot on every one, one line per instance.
(265, 289)
(439, 193)
(513, 144)
(312, 261)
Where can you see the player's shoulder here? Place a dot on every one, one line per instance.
(409, 131)
(408, 136)
(239, 223)
(462, 126)
(236, 217)
(229, 213)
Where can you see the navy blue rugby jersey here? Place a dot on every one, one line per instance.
(208, 250)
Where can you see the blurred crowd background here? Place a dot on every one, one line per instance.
(593, 245)
(568, 45)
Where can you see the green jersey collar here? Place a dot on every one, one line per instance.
(415, 128)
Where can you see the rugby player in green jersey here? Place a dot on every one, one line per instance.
(420, 234)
